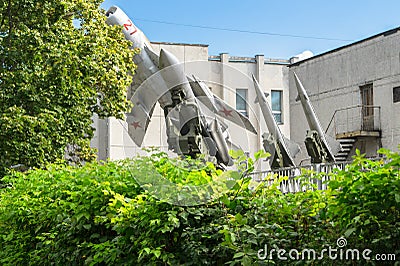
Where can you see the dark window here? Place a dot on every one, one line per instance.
(396, 94)
(276, 105)
(241, 101)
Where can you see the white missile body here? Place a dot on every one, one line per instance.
(315, 125)
(220, 141)
(281, 155)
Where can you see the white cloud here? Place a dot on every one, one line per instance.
(304, 55)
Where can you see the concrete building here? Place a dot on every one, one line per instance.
(229, 78)
(355, 90)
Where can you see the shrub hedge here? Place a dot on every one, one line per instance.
(98, 214)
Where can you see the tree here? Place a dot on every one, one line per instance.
(59, 64)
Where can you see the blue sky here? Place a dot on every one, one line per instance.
(344, 20)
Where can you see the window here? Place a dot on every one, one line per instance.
(396, 94)
(241, 101)
(276, 105)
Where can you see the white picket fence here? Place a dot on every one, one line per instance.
(293, 183)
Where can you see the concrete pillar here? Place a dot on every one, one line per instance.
(100, 140)
(224, 74)
(259, 74)
(259, 68)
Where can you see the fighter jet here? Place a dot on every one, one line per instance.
(316, 141)
(161, 78)
(274, 142)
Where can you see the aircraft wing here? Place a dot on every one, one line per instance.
(144, 100)
(229, 113)
(218, 106)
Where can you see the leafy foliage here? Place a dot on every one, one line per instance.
(59, 64)
(99, 214)
(367, 202)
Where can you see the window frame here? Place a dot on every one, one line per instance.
(396, 91)
(276, 112)
(245, 111)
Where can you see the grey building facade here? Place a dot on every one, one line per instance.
(355, 91)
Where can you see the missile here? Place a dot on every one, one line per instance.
(222, 147)
(316, 142)
(274, 143)
(174, 75)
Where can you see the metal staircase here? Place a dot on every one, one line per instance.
(347, 146)
(350, 124)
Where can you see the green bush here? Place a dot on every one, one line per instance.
(367, 203)
(100, 215)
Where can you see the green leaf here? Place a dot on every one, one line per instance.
(349, 232)
(87, 226)
(238, 255)
(261, 154)
(157, 253)
(397, 197)
(147, 250)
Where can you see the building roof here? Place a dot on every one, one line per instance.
(241, 59)
(384, 34)
(181, 44)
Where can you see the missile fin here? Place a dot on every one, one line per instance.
(211, 145)
(293, 147)
(233, 146)
(223, 125)
(218, 106)
(153, 56)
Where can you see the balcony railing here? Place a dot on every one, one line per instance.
(359, 120)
